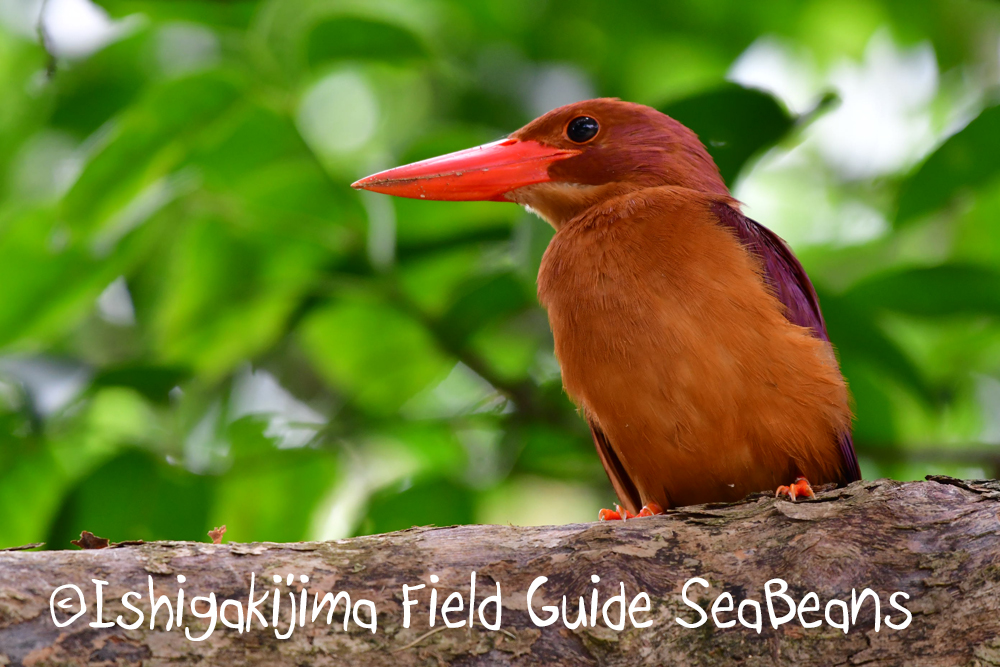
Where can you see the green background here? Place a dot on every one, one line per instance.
(202, 324)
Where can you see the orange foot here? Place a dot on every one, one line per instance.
(799, 488)
(619, 513)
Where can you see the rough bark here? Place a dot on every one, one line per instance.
(938, 541)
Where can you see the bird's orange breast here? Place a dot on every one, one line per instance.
(670, 341)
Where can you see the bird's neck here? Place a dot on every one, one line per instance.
(558, 202)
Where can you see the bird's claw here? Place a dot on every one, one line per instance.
(799, 488)
(619, 513)
(650, 509)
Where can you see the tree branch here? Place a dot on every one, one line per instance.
(937, 541)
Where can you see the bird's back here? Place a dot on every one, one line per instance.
(682, 356)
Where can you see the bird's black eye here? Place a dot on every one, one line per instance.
(581, 129)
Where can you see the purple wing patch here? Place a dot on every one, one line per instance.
(786, 277)
(624, 488)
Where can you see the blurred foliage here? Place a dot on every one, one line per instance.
(734, 123)
(203, 324)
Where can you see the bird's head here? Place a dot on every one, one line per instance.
(564, 162)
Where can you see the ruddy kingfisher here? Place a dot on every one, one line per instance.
(688, 334)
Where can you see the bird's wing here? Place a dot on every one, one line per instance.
(789, 282)
(624, 488)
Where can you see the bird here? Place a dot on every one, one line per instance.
(688, 335)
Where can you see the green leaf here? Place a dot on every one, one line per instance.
(46, 286)
(432, 445)
(37, 469)
(431, 280)
(230, 14)
(135, 496)
(31, 488)
(961, 165)
(874, 420)
(294, 198)
(101, 86)
(733, 122)
(22, 114)
(251, 138)
(857, 337)
(375, 354)
(511, 346)
(437, 501)
(153, 382)
(559, 453)
(229, 295)
(270, 494)
(149, 142)
(295, 33)
(353, 38)
(482, 301)
(431, 224)
(939, 291)
(976, 236)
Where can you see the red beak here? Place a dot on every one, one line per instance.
(483, 173)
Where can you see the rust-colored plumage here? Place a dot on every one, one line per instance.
(689, 335)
